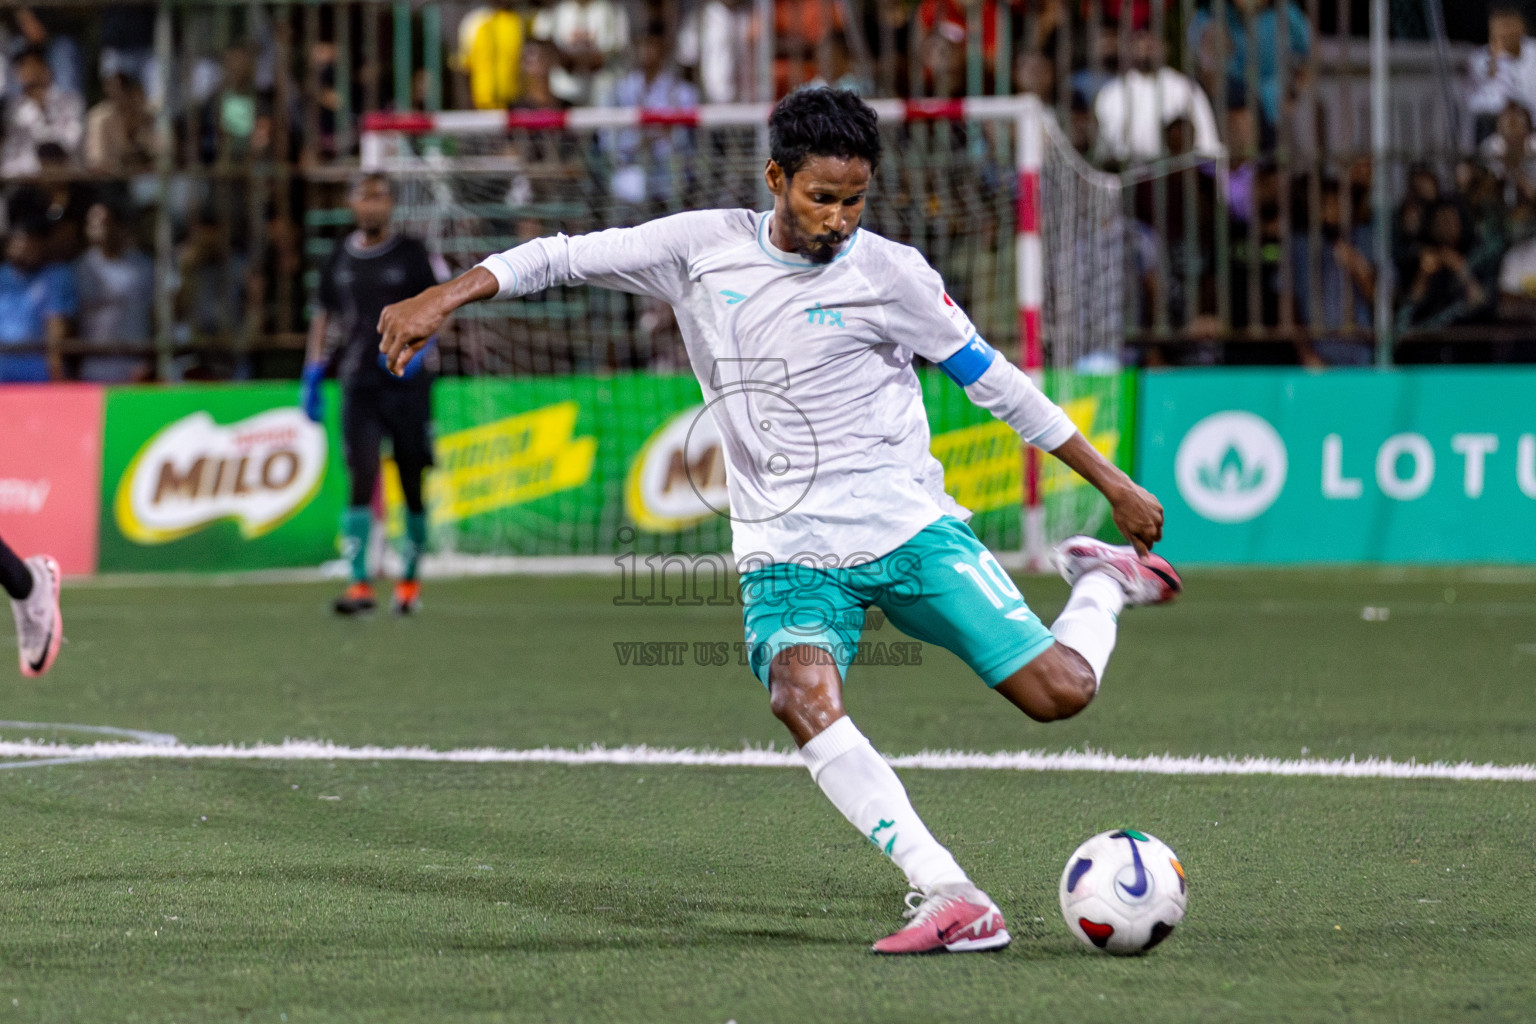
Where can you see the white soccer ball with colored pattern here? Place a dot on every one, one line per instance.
(1123, 892)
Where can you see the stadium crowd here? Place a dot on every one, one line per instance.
(159, 222)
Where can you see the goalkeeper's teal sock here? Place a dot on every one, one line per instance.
(414, 543)
(356, 522)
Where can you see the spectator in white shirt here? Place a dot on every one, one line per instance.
(591, 36)
(1134, 108)
(648, 162)
(1504, 71)
(43, 112)
(1510, 153)
(718, 42)
(116, 285)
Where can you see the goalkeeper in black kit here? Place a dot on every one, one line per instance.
(370, 269)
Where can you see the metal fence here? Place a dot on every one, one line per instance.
(1269, 224)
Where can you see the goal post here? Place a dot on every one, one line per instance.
(986, 188)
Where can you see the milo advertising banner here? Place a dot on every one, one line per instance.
(217, 478)
(234, 477)
(1433, 465)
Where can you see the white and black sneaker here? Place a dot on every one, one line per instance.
(39, 627)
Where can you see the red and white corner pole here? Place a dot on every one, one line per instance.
(1031, 287)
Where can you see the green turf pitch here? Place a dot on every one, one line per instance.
(324, 891)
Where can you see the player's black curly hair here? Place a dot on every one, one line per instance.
(822, 122)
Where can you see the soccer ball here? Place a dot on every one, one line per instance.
(1123, 891)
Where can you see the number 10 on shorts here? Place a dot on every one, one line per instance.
(991, 571)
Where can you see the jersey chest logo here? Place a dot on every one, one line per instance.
(820, 316)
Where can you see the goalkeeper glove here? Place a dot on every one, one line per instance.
(309, 391)
(418, 360)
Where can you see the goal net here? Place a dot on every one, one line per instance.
(1082, 228)
(568, 422)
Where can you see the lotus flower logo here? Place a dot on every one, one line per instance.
(1231, 466)
(1230, 476)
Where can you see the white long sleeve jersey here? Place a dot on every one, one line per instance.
(806, 370)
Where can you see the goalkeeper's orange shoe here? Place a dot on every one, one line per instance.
(407, 600)
(355, 600)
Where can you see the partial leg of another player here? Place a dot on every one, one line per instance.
(409, 414)
(361, 435)
(33, 586)
(1105, 578)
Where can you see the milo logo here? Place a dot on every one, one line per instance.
(678, 477)
(258, 472)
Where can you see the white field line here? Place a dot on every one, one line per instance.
(159, 739)
(1070, 761)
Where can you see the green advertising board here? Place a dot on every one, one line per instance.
(1276, 466)
(585, 465)
(217, 477)
(573, 465)
(230, 477)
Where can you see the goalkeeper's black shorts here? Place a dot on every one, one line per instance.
(400, 411)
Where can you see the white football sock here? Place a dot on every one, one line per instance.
(1088, 623)
(860, 784)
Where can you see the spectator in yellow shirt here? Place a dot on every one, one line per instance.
(491, 42)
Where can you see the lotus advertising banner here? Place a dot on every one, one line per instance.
(1411, 466)
(217, 478)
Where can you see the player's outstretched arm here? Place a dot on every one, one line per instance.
(1003, 389)
(1136, 512)
(404, 327)
(648, 259)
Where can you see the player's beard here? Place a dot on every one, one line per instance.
(822, 249)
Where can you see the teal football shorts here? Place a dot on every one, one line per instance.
(941, 587)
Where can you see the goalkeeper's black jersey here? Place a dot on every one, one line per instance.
(356, 285)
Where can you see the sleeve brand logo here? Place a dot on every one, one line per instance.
(1231, 466)
(957, 315)
(258, 472)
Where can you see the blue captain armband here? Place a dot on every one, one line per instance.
(966, 366)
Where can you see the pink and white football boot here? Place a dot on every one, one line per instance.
(1149, 580)
(955, 919)
(39, 626)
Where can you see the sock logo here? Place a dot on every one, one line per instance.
(890, 844)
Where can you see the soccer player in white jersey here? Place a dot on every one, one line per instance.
(802, 328)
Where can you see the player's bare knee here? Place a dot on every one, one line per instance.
(1070, 685)
(1057, 685)
(1072, 690)
(800, 683)
(1060, 695)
